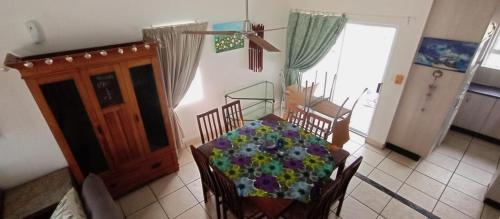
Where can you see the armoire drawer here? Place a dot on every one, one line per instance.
(133, 177)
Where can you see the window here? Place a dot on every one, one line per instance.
(492, 60)
(195, 91)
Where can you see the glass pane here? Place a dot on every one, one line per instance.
(149, 105)
(107, 89)
(66, 105)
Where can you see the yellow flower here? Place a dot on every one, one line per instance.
(259, 193)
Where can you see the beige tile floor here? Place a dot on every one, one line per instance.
(450, 183)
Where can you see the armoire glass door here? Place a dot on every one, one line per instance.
(67, 107)
(147, 97)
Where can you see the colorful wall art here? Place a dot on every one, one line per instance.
(446, 54)
(225, 43)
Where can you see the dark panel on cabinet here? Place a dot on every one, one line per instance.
(67, 107)
(149, 105)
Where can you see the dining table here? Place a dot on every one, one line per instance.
(270, 200)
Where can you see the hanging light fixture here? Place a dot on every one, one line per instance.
(49, 61)
(120, 51)
(87, 55)
(147, 46)
(68, 58)
(28, 64)
(134, 48)
(103, 53)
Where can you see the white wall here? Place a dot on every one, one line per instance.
(27, 147)
(417, 130)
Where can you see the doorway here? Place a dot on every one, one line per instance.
(359, 58)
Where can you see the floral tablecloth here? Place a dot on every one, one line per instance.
(273, 159)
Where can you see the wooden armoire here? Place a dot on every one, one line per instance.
(107, 110)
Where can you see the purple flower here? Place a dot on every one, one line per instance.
(247, 131)
(222, 143)
(267, 183)
(317, 150)
(294, 164)
(291, 133)
(241, 160)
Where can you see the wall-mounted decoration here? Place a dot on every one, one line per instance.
(225, 43)
(446, 54)
(255, 52)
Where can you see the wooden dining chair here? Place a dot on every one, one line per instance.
(231, 201)
(318, 125)
(332, 191)
(232, 115)
(345, 178)
(207, 179)
(209, 125)
(297, 116)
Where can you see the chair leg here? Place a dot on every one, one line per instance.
(224, 211)
(205, 193)
(217, 206)
(339, 207)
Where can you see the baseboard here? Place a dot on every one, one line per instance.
(374, 143)
(476, 135)
(492, 203)
(402, 151)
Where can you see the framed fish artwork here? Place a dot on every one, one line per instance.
(446, 54)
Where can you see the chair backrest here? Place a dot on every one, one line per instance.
(297, 116)
(332, 192)
(232, 115)
(203, 164)
(320, 208)
(228, 193)
(209, 125)
(347, 175)
(340, 126)
(318, 125)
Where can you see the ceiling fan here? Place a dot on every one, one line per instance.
(246, 32)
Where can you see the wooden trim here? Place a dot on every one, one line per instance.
(60, 64)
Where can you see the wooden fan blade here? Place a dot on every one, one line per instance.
(262, 43)
(211, 32)
(280, 28)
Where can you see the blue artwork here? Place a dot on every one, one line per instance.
(446, 54)
(228, 42)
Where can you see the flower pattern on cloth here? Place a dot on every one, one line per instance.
(273, 159)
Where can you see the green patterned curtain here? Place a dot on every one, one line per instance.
(309, 38)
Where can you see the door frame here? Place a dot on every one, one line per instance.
(405, 45)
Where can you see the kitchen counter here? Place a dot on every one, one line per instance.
(485, 90)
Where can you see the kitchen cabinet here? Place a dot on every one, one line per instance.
(474, 111)
(492, 125)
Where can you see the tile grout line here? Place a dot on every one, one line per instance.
(397, 197)
(447, 184)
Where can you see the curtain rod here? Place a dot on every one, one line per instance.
(176, 24)
(331, 13)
